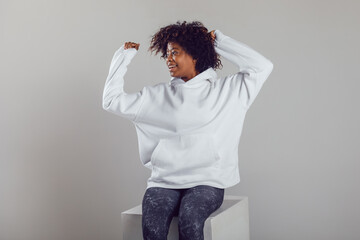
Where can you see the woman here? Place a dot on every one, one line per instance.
(189, 128)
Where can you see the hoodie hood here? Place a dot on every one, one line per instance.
(209, 75)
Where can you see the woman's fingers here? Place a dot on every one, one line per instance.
(213, 35)
(137, 45)
(131, 45)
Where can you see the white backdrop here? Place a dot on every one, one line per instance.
(68, 168)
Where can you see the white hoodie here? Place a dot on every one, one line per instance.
(189, 132)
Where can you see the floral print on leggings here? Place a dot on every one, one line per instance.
(192, 206)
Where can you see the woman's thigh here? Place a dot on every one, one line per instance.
(196, 205)
(159, 205)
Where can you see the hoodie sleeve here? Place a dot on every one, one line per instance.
(253, 68)
(115, 100)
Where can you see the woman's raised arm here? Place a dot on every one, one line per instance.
(253, 67)
(115, 100)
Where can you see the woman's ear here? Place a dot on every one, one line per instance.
(194, 62)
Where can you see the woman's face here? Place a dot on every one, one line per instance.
(180, 64)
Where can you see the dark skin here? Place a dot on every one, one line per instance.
(180, 63)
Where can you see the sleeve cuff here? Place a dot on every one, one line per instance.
(219, 36)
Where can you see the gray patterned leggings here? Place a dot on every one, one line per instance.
(192, 206)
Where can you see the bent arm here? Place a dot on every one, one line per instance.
(115, 100)
(253, 68)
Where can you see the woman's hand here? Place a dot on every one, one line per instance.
(131, 45)
(213, 36)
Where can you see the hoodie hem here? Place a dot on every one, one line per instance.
(189, 185)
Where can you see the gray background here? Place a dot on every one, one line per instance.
(68, 168)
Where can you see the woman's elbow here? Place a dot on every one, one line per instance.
(269, 66)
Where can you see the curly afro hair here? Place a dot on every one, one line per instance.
(193, 37)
